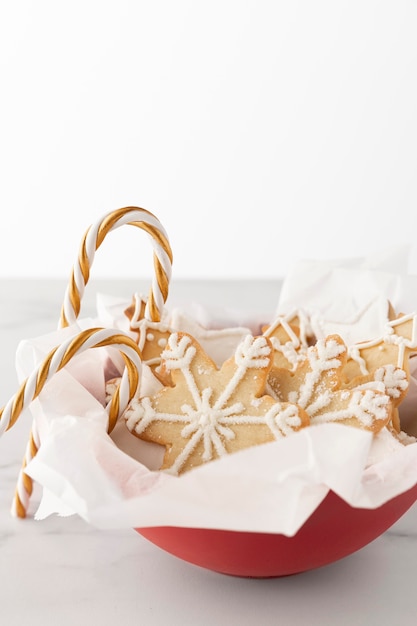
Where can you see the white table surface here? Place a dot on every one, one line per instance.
(63, 571)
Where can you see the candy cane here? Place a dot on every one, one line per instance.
(55, 361)
(158, 294)
(92, 240)
(24, 486)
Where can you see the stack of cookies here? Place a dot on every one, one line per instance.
(270, 386)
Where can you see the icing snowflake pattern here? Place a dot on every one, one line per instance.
(316, 387)
(394, 380)
(212, 414)
(389, 379)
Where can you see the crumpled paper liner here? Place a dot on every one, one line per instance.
(349, 296)
(270, 488)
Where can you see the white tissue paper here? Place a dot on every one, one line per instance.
(113, 481)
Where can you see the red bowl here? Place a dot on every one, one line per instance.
(332, 532)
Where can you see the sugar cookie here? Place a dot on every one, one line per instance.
(210, 412)
(316, 386)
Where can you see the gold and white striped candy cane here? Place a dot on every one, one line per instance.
(55, 361)
(94, 237)
(158, 294)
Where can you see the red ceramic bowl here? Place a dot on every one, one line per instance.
(332, 532)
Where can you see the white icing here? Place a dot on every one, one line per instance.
(179, 354)
(387, 379)
(291, 349)
(144, 328)
(393, 378)
(355, 355)
(365, 404)
(284, 322)
(389, 337)
(322, 359)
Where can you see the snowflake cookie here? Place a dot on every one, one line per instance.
(209, 412)
(316, 386)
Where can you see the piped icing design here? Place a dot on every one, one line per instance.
(210, 412)
(391, 380)
(289, 338)
(388, 378)
(316, 386)
(152, 337)
(398, 343)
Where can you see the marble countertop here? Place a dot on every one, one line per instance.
(63, 571)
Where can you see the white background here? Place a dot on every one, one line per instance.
(258, 132)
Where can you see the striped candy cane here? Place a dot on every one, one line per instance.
(55, 361)
(94, 237)
(80, 274)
